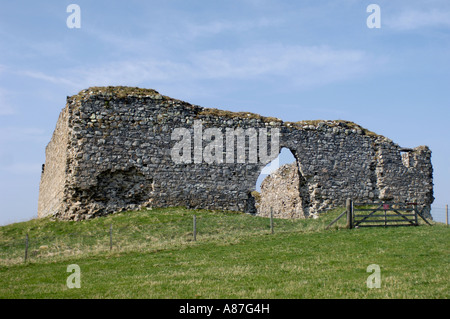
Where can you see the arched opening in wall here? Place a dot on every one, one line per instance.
(285, 157)
(277, 188)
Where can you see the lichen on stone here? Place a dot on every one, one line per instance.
(335, 123)
(113, 147)
(241, 115)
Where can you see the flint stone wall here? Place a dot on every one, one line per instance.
(112, 151)
(280, 193)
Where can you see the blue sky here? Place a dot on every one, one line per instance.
(295, 60)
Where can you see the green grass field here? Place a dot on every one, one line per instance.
(235, 256)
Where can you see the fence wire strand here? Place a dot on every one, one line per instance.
(156, 234)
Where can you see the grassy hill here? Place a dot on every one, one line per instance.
(235, 255)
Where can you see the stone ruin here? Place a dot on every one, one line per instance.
(113, 150)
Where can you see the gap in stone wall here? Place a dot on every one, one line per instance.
(285, 157)
(282, 188)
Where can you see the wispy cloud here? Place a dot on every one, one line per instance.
(195, 30)
(5, 107)
(415, 19)
(22, 168)
(47, 77)
(19, 134)
(300, 66)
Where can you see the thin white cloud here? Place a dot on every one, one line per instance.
(194, 30)
(48, 78)
(300, 65)
(19, 134)
(5, 107)
(22, 168)
(415, 19)
(297, 66)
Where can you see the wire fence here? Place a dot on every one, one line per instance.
(56, 242)
(155, 235)
(440, 213)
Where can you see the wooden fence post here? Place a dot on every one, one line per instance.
(349, 206)
(26, 247)
(416, 220)
(195, 228)
(271, 220)
(110, 237)
(446, 214)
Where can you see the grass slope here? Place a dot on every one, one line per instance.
(235, 256)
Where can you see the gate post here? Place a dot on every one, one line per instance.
(415, 215)
(349, 206)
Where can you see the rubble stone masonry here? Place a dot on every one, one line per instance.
(112, 150)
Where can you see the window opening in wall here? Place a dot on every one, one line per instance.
(285, 157)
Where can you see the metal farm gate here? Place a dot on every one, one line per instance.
(384, 214)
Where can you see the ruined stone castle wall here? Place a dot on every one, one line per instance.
(113, 150)
(280, 194)
(339, 162)
(54, 173)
